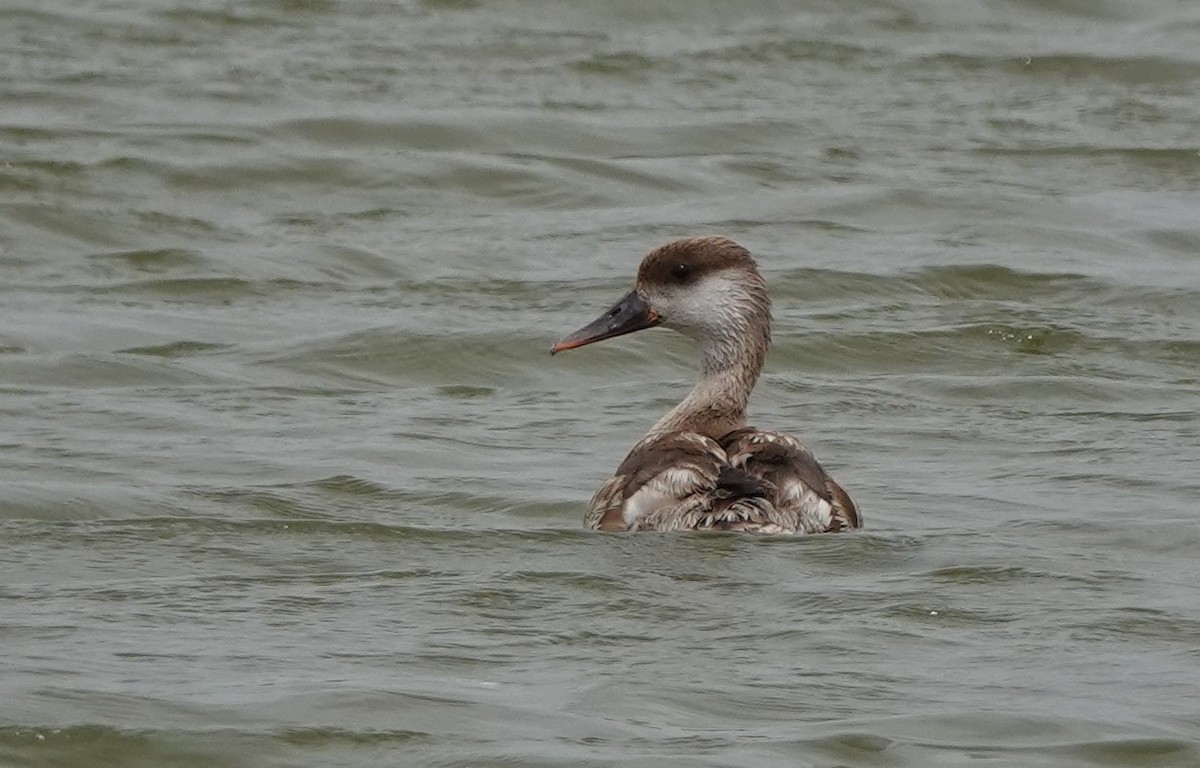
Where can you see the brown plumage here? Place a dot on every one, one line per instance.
(700, 467)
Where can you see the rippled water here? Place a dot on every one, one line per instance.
(289, 479)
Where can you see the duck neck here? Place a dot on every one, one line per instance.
(730, 365)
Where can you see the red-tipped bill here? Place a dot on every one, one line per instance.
(629, 314)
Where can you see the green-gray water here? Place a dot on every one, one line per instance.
(289, 479)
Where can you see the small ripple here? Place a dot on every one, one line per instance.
(997, 575)
(944, 617)
(418, 357)
(98, 372)
(154, 260)
(337, 737)
(931, 739)
(206, 291)
(1123, 70)
(184, 348)
(1140, 625)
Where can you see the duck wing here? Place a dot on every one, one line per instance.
(805, 499)
(678, 481)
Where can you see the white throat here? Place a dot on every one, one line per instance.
(731, 321)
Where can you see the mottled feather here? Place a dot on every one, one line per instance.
(806, 497)
(764, 482)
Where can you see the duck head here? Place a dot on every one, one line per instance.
(708, 288)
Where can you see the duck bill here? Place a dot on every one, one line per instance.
(629, 314)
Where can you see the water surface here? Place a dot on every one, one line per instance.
(289, 478)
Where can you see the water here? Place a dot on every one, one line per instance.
(289, 479)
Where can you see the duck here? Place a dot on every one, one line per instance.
(701, 467)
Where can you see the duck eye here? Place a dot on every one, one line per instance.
(681, 272)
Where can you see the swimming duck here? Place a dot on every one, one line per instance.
(701, 467)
